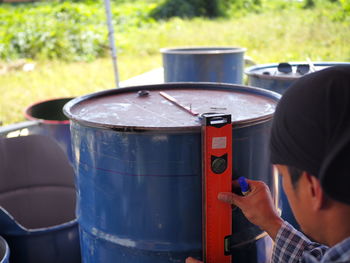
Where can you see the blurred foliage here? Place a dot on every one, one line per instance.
(75, 30)
(234, 8)
(344, 13)
(190, 8)
(63, 30)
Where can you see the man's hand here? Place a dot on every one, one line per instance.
(257, 206)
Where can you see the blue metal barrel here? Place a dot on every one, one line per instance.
(51, 122)
(203, 64)
(278, 77)
(4, 251)
(138, 162)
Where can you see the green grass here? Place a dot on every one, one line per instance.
(275, 36)
(60, 79)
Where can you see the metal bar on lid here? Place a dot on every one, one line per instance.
(174, 101)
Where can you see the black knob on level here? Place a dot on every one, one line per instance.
(218, 165)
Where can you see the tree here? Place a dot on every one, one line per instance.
(189, 8)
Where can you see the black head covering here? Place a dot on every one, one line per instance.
(311, 129)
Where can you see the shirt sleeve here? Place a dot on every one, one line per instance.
(291, 244)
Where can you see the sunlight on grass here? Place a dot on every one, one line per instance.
(269, 38)
(58, 79)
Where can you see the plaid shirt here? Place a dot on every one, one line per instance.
(291, 246)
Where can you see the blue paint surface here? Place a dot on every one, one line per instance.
(276, 85)
(224, 65)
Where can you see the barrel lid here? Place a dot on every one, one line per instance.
(143, 107)
(292, 72)
(202, 50)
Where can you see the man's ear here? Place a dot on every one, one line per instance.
(315, 192)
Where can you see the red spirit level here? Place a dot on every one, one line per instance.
(217, 177)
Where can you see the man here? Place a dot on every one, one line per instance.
(310, 147)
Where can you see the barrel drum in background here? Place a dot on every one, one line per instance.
(138, 162)
(51, 122)
(279, 76)
(203, 64)
(4, 251)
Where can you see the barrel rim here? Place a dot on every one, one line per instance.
(6, 254)
(22, 230)
(49, 229)
(30, 117)
(250, 70)
(67, 109)
(202, 50)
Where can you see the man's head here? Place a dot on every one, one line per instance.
(310, 141)
(306, 199)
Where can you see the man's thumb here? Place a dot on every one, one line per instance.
(229, 198)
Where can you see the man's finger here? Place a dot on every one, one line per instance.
(192, 260)
(229, 198)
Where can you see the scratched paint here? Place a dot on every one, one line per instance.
(129, 109)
